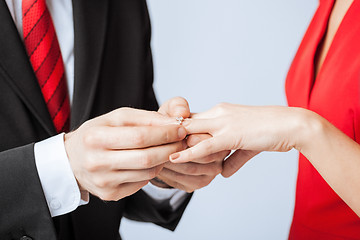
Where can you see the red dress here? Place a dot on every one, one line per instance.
(334, 94)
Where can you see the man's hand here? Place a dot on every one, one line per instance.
(198, 173)
(116, 154)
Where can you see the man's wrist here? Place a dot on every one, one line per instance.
(57, 179)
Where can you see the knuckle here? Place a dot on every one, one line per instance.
(100, 182)
(146, 160)
(102, 195)
(115, 195)
(86, 125)
(107, 196)
(166, 135)
(91, 165)
(221, 107)
(179, 146)
(192, 169)
(192, 140)
(111, 194)
(189, 154)
(215, 158)
(152, 173)
(215, 169)
(139, 138)
(118, 115)
(208, 147)
(207, 160)
(204, 182)
(120, 112)
(224, 104)
(90, 138)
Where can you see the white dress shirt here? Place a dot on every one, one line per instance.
(57, 179)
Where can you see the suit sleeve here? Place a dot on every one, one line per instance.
(23, 208)
(150, 102)
(141, 207)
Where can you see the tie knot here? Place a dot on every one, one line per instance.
(28, 5)
(32, 12)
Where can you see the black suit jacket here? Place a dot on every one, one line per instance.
(113, 68)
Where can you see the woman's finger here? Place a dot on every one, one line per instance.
(185, 182)
(236, 161)
(194, 139)
(215, 157)
(195, 126)
(201, 150)
(204, 115)
(171, 183)
(195, 169)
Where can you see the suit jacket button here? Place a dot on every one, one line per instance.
(26, 238)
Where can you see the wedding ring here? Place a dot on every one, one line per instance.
(180, 120)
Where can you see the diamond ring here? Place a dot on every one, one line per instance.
(180, 120)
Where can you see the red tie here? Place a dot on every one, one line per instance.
(44, 53)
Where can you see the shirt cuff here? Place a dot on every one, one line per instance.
(61, 190)
(176, 196)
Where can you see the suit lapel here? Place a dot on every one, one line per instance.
(17, 71)
(90, 21)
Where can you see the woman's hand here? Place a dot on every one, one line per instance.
(193, 175)
(247, 129)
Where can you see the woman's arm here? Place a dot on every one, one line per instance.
(250, 130)
(335, 156)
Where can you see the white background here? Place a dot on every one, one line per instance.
(237, 51)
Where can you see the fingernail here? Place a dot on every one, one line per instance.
(182, 133)
(174, 156)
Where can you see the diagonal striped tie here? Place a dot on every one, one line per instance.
(44, 53)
